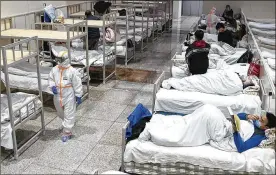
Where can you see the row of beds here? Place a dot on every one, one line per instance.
(148, 158)
(19, 73)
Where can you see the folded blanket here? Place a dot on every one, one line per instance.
(267, 41)
(262, 26)
(264, 33)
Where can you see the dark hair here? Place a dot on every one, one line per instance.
(199, 34)
(220, 25)
(102, 6)
(88, 13)
(271, 120)
(227, 6)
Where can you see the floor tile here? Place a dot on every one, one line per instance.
(113, 135)
(67, 156)
(103, 158)
(129, 85)
(38, 169)
(106, 111)
(95, 95)
(11, 166)
(147, 88)
(90, 130)
(144, 98)
(119, 96)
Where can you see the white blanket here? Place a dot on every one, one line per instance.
(221, 82)
(188, 102)
(204, 124)
(262, 21)
(264, 33)
(262, 26)
(267, 41)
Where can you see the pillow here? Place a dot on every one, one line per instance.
(269, 142)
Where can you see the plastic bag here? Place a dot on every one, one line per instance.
(59, 15)
(50, 11)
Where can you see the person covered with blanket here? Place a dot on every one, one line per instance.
(197, 54)
(208, 124)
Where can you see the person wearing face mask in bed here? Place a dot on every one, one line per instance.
(265, 121)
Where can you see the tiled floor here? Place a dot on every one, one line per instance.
(97, 133)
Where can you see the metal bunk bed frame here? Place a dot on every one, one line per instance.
(76, 34)
(37, 112)
(264, 66)
(130, 12)
(141, 5)
(77, 8)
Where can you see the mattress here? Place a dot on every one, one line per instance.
(188, 102)
(253, 160)
(18, 100)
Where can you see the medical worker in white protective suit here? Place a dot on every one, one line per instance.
(211, 21)
(66, 85)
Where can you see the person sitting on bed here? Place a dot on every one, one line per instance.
(228, 15)
(208, 124)
(197, 55)
(224, 35)
(93, 33)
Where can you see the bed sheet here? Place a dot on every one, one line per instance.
(187, 102)
(18, 99)
(253, 160)
(26, 83)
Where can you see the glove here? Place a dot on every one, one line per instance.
(54, 89)
(78, 100)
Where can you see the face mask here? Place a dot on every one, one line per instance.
(258, 124)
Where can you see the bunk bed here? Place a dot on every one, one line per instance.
(45, 35)
(97, 59)
(76, 11)
(267, 72)
(130, 13)
(144, 157)
(17, 108)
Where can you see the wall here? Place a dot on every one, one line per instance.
(255, 9)
(9, 8)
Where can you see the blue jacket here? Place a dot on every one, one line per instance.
(93, 33)
(252, 142)
(139, 113)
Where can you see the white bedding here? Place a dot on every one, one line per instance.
(263, 21)
(262, 26)
(18, 99)
(267, 41)
(253, 160)
(221, 82)
(187, 102)
(27, 83)
(264, 33)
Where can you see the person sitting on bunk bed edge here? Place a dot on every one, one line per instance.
(93, 33)
(197, 54)
(225, 35)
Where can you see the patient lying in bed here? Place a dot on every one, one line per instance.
(221, 82)
(208, 125)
